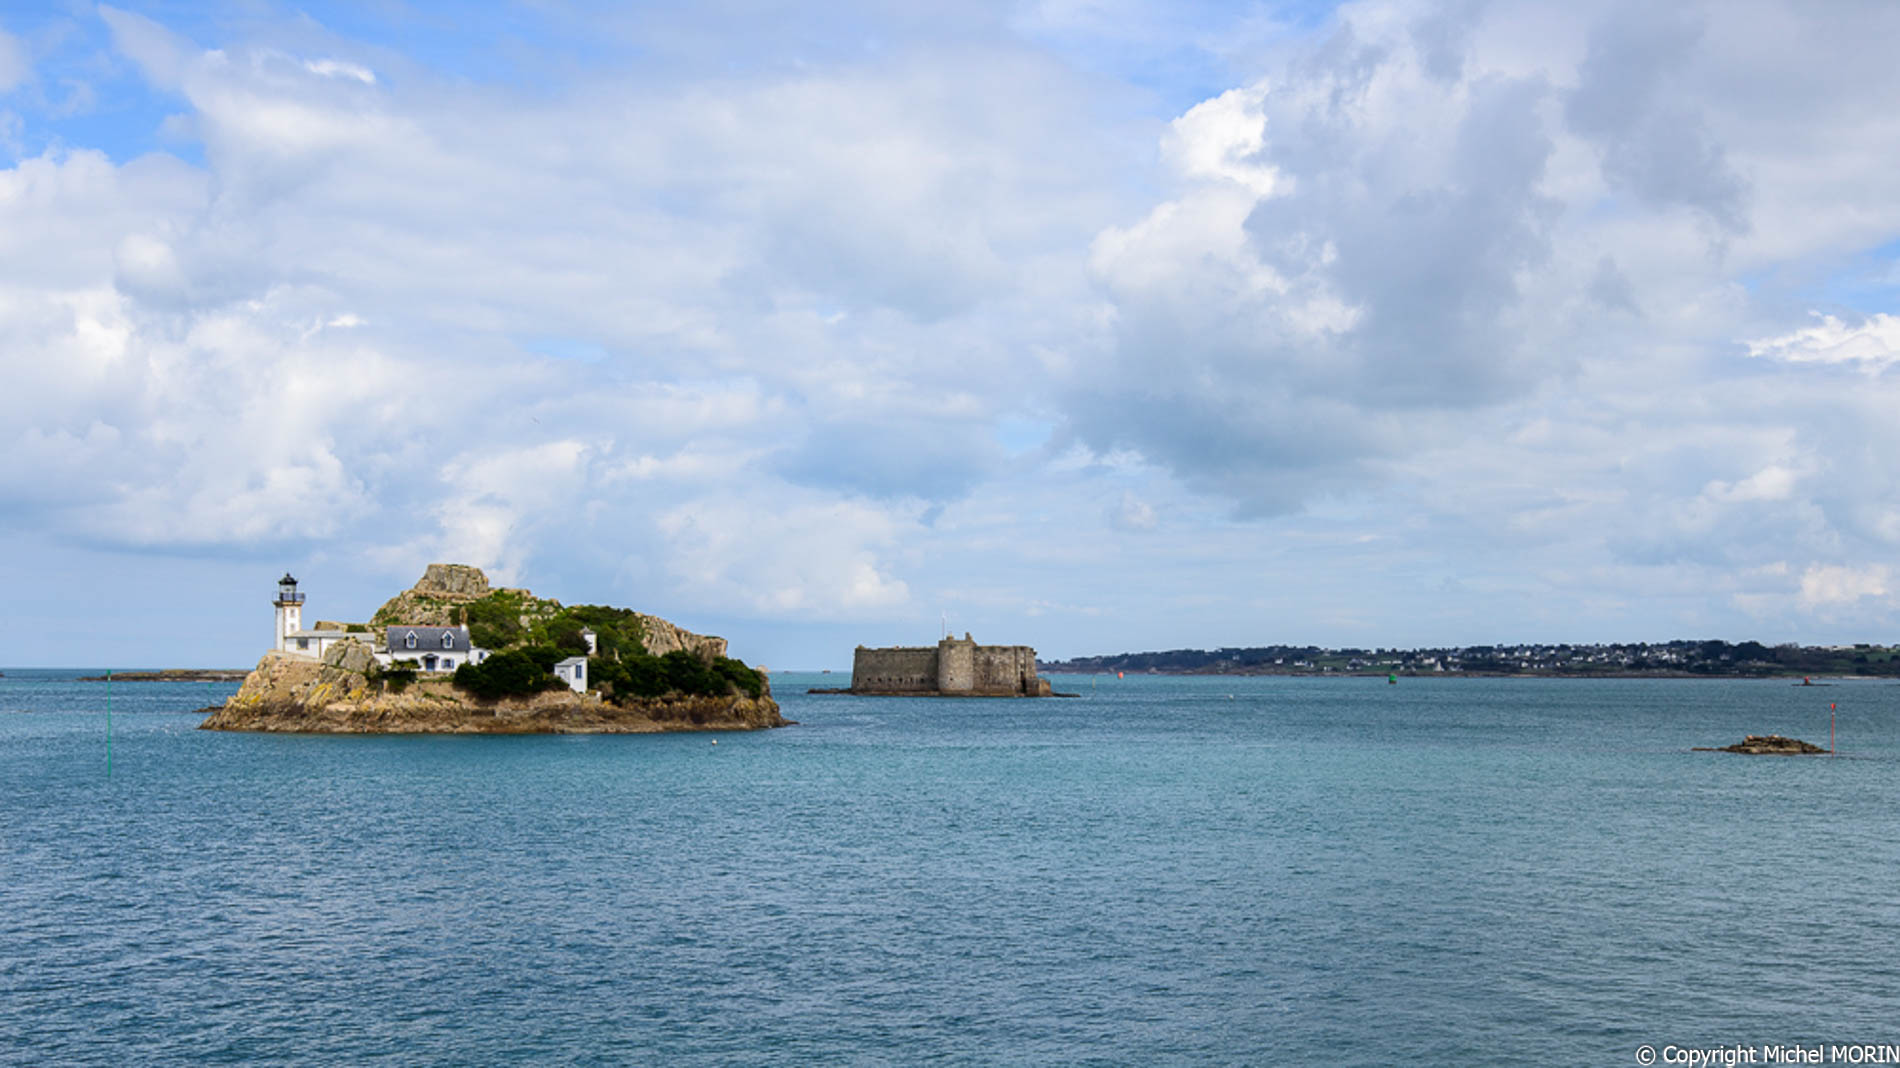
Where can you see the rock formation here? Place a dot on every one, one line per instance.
(432, 600)
(662, 638)
(1767, 745)
(453, 581)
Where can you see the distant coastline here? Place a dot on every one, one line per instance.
(1685, 676)
(1639, 660)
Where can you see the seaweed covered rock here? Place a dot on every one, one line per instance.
(1768, 745)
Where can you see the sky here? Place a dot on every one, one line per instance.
(1093, 325)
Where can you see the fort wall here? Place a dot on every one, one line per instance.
(955, 666)
(894, 670)
(1005, 669)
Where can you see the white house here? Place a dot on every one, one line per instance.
(433, 649)
(573, 671)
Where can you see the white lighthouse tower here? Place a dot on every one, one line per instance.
(289, 611)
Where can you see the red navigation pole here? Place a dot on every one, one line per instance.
(1830, 728)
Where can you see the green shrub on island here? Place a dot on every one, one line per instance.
(396, 677)
(509, 673)
(494, 622)
(564, 633)
(747, 680)
(538, 634)
(616, 630)
(639, 674)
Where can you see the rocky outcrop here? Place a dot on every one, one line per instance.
(458, 582)
(1768, 745)
(661, 638)
(434, 599)
(352, 656)
(342, 695)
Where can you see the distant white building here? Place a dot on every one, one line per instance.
(573, 671)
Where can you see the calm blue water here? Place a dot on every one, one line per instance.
(1162, 871)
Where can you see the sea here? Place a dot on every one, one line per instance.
(1160, 870)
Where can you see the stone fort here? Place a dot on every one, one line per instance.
(954, 667)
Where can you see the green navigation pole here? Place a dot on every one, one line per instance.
(108, 723)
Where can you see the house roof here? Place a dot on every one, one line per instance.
(428, 640)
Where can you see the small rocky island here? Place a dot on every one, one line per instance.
(1767, 745)
(454, 656)
(171, 675)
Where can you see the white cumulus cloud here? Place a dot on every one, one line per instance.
(1827, 584)
(337, 68)
(1873, 343)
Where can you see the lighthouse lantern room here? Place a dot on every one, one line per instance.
(289, 611)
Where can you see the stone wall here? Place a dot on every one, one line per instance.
(1005, 669)
(894, 670)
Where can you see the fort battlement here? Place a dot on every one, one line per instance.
(954, 667)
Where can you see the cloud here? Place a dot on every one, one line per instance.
(1629, 101)
(1431, 311)
(1131, 513)
(804, 559)
(792, 285)
(1223, 138)
(162, 55)
(1824, 585)
(337, 68)
(903, 454)
(1286, 325)
(1873, 344)
(15, 68)
(1772, 483)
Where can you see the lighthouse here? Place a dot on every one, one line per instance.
(289, 611)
